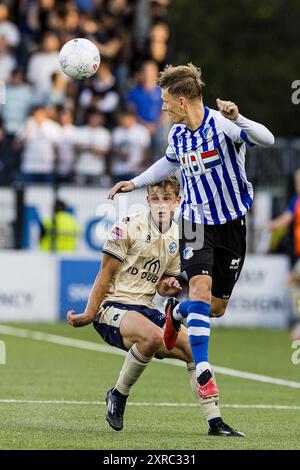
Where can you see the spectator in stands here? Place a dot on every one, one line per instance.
(291, 214)
(156, 47)
(60, 233)
(39, 136)
(43, 64)
(3, 163)
(71, 22)
(56, 95)
(19, 95)
(7, 60)
(102, 94)
(294, 287)
(158, 9)
(145, 100)
(8, 29)
(123, 11)
(130, 147)
(38, 17)
(87, 6)
(106, 33)
(94, 144)
(66, 147)
(284, 220)
(46, 24)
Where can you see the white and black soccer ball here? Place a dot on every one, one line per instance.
(79, 58)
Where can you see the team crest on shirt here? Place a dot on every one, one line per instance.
(207, 133)
(188, 252)
(172, 248)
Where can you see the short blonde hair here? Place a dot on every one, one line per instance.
(170, 181)
(183, 80)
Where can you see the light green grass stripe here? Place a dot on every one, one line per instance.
(92, 346)
(145, 404)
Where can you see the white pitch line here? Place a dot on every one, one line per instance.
(92, 346)
(146, 404)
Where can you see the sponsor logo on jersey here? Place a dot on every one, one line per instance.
(188, 252)
(117, 233)
(153, 265)
(235, 263)
(172, 248)
(148, 238)
(126, 220)
(196, 163)
(192, 163)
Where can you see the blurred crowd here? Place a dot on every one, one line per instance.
(93, 131)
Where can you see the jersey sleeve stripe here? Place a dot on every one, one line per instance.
(105, 250)
(245, 139)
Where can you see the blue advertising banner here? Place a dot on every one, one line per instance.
(76, 277)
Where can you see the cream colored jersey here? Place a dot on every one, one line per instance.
(146, 255)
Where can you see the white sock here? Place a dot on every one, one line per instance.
(201, 367)
(176, 314)
(210, 406)
(134, 365)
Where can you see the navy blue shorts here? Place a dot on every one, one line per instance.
(111, 334)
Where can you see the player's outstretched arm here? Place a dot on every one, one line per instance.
(121, 187)
(256, 133)
(157, 172)
(109, 266)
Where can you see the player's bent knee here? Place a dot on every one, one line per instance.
(154, 339)
(218, 308)
(218, 313)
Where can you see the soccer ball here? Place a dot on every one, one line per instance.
(79, 58)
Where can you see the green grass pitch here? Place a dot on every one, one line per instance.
(41, 371)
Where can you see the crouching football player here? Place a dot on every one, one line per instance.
(140, 258)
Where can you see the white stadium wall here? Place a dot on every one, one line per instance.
(27, 287)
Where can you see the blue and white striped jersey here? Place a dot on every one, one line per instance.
(212, 162)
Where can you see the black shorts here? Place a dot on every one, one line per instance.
(216, 250)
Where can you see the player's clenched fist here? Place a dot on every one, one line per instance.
(228, 109)
(121, 187)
